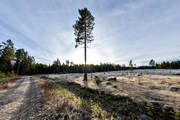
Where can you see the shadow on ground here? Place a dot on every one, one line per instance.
(122, 106)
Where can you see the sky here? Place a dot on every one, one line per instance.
(124, 29)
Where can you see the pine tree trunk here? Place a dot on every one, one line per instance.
(18, 69)
(85, 46)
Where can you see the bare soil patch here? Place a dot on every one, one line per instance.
(21, 101)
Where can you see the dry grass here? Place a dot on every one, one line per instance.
(155, 88)
(63, 104)
(7, 82)
(3, 85)
(123, 107)
(129, 96)
(57, 103)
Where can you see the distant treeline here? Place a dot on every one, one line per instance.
(20, 62)
(169, 65)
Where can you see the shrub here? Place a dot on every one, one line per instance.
(9, 74)
(140, 74)
(13, 74)
(115, 86)
(2, 75)
(108, 83)
(97, 80)
(176, 114)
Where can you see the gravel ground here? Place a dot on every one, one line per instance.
(21, 101)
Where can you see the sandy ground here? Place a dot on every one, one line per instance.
(21, 101)
(140, 85)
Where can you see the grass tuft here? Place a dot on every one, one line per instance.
(97, 80)
(109, 83)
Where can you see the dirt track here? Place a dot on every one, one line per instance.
(21, 101)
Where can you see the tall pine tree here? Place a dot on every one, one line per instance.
(83, 31)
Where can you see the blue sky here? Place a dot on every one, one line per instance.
(124, 29)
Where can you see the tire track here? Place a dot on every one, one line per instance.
(22, 101)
